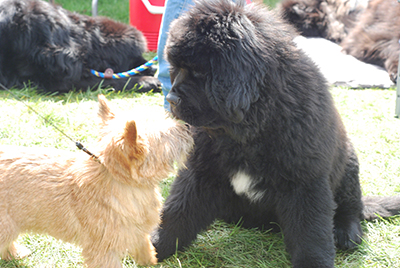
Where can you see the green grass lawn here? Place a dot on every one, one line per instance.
(116, 9)
(368, 115)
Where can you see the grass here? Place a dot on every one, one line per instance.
(367, 114)
(116, 9)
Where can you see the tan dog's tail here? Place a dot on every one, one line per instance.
(104, 111)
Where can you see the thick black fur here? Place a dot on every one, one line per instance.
(270, 146)
(54, 49)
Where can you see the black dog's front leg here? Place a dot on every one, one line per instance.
(189, 209)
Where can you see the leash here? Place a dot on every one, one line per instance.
(109, 73)
(77, 143)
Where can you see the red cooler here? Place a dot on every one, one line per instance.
(146, 16)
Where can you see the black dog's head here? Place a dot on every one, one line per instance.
(305, 15)
(221, 54)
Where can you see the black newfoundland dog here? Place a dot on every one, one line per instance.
(270, 146)
(54, 49)
(366, 29)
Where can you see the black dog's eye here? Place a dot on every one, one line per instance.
(173, 72)
(197, 74)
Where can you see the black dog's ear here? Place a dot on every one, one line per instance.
(233, 83)
(293, 9)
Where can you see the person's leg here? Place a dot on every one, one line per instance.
(173, 9)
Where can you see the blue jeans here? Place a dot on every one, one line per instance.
(173, 9)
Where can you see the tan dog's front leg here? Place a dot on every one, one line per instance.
(144, 253)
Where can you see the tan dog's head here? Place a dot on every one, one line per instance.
(142, 145)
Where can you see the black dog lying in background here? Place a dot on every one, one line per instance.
(367, 29)
(54, 49)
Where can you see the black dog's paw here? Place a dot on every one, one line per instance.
(147, 84)
(349, 237)
(393, 77)
(151, 71)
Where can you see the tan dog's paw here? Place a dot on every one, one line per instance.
(16, 252)
(149, 261)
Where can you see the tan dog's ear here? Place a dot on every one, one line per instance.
(121, 155)
(130, 135)
(104, 111)
(135, 148)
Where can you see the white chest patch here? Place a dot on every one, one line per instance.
(242, 184)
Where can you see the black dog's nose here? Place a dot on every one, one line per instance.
(173, 99)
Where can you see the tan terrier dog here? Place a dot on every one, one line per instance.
(107, 208)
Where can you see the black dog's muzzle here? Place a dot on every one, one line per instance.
(173, 99)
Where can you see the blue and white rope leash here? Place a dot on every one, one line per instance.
(109, 73)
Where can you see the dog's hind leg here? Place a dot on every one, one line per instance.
(348, 213)
(96, 258)
(14, 251)
(305, 216)
(10, 250)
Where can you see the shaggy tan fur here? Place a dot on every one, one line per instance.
(108, 209)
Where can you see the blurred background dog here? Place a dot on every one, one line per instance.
(366, 29)
(54, 49)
